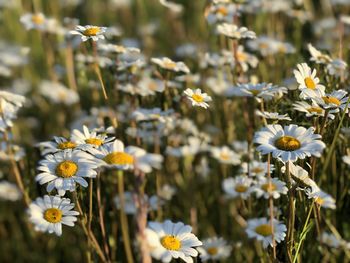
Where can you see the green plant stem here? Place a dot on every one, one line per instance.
(123, 218)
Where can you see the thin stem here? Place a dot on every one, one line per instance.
(123, 218)
(88, 234)
(303, 234)
(98, 70)
(271, 208)
(101, 218)
(291, 215)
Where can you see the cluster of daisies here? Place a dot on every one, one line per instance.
(277, 162)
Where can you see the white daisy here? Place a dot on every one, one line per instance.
(273, 115)
(260, 91)
(321, 198)
(174, 7)
(225, 155)
(309, 84)
(50, 212)
(240, 186)
(169, 240)
(34, 21)
(235, 32)
(256, 168)
(89, 32)
(330, 240)
(312, 110)
(337, 67)
(266, 188)
(260, 229)
(289, 143)
(198, 98)
(301, 176)
(90, 138)
(59, 144)
(168, 64)
(317, 56)
(333, 101)
(214, 249)
(114, 155)
(166, 192)
(63, 170)
(58, 93)
(9, 191)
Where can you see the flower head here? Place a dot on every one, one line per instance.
(89, 32)
(214, 248)
(198, 98)
(235, 32)
(169, 240)
(260, 229)
(50, 212)
(289, 143)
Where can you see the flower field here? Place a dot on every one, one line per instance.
(174, 131)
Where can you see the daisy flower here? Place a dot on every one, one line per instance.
(117, 49)
(115, 155)
(317, 56)
(34, 21)
(63, 170)
(58, 93)
(225, 155)
(174, 7)
(90, 138)
(58, 144)
(301, 176)
(289, 143)
(266, 188)
(309, 84)
(9, 191)
(166, 192)
(168, 64)
(312, 110)
(198, 98)
(239, 186)
(273, 115)
(260, 229)
(333, 101)
(260, 91)
(169, 240)
(49, 213)
(330, 240)
(214, 249)
(321, 198)
(337, 67)
(256, 168)
(89, 32)
(234, 32)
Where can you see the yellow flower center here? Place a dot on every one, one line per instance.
(241, 56)
(257, 170)
(53, 215)
(310, 84)
(171, 242)
(66, 145)
(92, 31)
(152, 86)
(319, 201)
(240, 188)
(94, 141)
(37, 19)
(287, 143)
(282, 48)
(169, 65)
(264, 230)
(212, 250)
(269, 187)
(255, 92)
(317, 110)
(119, 158)
(263, 45)
(197, 98)
(66, 169)
(331, 100)
(222, 11)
